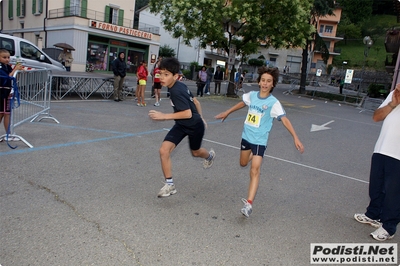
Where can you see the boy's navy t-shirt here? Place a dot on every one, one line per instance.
(182, 99)
(5, 71)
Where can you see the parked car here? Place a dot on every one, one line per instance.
(28, 54)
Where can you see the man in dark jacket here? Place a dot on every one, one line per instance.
(119, 69)
(218, 76)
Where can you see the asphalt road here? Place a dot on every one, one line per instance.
(86, 193)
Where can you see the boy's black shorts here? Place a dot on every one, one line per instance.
(255, 149)
(195, 134)
(5, 106)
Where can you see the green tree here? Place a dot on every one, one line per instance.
(348, 30)
(166, 51)
(242, 24)
(357, 11)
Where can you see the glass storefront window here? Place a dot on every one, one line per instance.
(97, 56)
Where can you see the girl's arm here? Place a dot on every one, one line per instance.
(297, 143)
(234, 108)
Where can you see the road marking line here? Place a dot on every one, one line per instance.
(295, 163)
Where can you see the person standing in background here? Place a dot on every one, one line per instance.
(208, 80)
(218, 76)
(202, 79)
(142, 74)
(157, 83)
(119, 70)
(65, 57)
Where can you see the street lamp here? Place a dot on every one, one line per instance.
(367, 45)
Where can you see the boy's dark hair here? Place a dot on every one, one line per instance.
(273, 71)
(170, 64)
(3, 50)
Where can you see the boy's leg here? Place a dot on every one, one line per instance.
(245, 157)
(6, 122)
(254, 177)
(165, 155)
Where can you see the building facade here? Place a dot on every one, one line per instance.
(327, 28)
(98, 30)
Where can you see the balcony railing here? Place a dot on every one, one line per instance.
(99, 16)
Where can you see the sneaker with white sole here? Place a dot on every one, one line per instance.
(166, 191)
(381, 234)
(247, 208)
(10, 138)
(209, 163)
(362, 218)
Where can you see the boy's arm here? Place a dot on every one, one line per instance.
(289, 127)
(159, 116)
(18, 66)
(234, 108)
(199, 110)
(185, 114)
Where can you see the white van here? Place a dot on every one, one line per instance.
(28, 54)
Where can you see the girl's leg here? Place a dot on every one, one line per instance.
(138, 94)
(157, 94)
(143, 88)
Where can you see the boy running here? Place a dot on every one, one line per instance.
(263, 109)
(188, 122)
(6, 88)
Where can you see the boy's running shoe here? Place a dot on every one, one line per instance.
(209, 163)
(247, 208)
(166, 191)
(381, 234)
(157, 104)
(362, 218)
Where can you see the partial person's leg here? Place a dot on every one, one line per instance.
(390, 216)
(376, 187)
(116, 85)
(120, 88)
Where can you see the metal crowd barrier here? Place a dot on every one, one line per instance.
(83, 86)
(370, 104)
(35, 95)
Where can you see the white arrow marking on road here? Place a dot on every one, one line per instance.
(321, 127)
